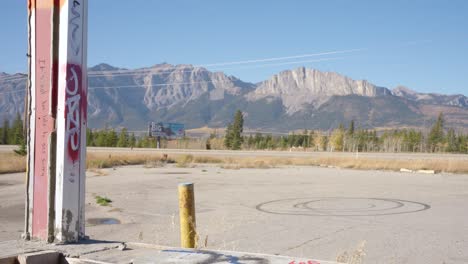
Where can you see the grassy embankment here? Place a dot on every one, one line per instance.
(10, 162)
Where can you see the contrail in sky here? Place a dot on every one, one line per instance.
(282, 58)
(278, 64)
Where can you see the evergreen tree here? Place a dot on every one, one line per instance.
(123, 139)
(436, 135)
(233, 138)
(5, 132)
(111, 138)
(89, 137)
(228, 137)
(451, 141)
(351, 128)
(17, 131)
(238, 128)
(462, 143)
(100, 138)
(132, 141)
(311, 140)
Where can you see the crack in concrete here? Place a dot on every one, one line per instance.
(320, 237)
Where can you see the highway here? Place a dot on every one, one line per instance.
(265, 153)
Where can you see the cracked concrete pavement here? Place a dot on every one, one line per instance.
(322, 213)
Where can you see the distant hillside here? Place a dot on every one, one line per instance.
(290, 100)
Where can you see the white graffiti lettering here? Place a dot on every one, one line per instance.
(75, 22)
(73, 110)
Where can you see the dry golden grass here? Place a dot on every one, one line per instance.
(440, 165)
(11, 162)
(239, 163)
(106, 160)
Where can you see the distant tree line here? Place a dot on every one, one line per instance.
(345, 139)
(352, 139)
(11, 133)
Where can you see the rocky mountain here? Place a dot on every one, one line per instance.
(12, 92)
(294, 99)
(161, 92)
(431, 98)
(303, 87)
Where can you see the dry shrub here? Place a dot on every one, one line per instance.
(230, 166)
(235, 164)
(207, 159)
(184, 161)
(154, 164)
(11, 162)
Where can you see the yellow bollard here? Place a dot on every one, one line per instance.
(187, 215)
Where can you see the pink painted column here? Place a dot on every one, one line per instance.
(41, 118)
(71, 122)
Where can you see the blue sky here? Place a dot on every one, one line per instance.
(420, 44)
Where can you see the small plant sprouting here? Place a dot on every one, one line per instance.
(103, 201)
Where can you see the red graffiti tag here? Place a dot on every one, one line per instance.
(73, 109)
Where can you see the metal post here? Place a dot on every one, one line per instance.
(187, 215)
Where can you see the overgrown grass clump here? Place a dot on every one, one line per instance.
(109, 160)
(188, 160)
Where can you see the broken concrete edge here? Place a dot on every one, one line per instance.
(84, 261)
(70, 250)
(82, 253)
(48, 256)
(162, 248)
(79, 253)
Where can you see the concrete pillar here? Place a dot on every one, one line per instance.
(71, 121)
(57, 98)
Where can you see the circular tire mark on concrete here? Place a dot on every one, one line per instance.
(341, 206)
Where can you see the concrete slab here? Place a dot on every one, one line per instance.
(299, 211)
(40, 257)
(136, 253)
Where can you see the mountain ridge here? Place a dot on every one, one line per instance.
(291, 99)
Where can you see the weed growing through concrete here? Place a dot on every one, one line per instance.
(103, 201)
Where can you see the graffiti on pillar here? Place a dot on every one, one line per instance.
(75, 23)
(73, 110)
